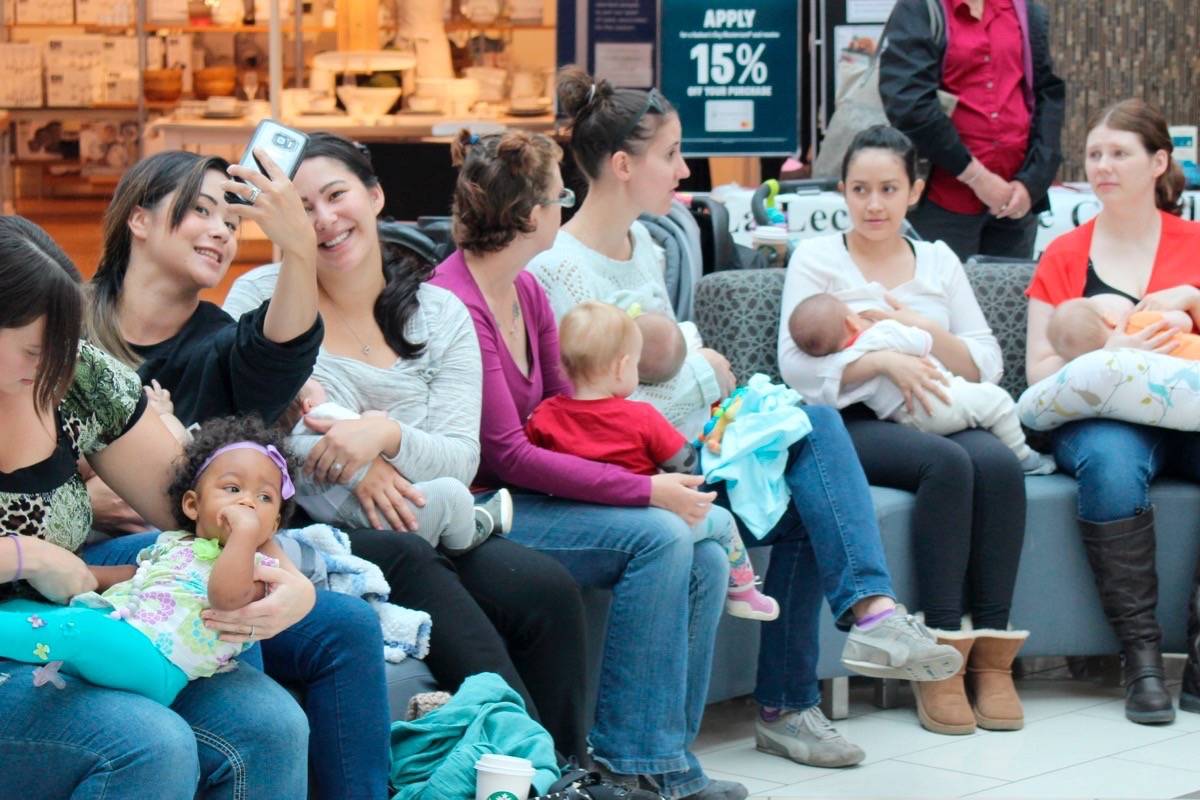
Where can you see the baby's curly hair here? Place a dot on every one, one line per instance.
(215, 434)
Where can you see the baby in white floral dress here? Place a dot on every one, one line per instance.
(231, 494)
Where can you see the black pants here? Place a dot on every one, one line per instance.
(969, 519)
(975, 234)
(500, 608)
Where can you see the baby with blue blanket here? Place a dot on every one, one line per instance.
(601, 346)
(823, 324)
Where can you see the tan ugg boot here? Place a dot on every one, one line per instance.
(942, 706)
(990, 682)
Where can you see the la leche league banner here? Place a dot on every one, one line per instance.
(732, 71)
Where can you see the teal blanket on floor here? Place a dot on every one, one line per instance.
(433, 758)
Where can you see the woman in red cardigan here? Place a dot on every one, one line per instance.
(1139, 248)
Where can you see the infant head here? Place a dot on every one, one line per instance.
(600, 345)
(663, 348)
(235, 473)
(818, 325)
(1077, 327)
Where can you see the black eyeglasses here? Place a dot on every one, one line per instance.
(655, 101)
(566, 199)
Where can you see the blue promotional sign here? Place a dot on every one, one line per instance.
(733, 73)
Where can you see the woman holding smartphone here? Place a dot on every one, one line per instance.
(169, 234)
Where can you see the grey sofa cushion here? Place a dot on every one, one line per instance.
(737, 312)
(1000, 289)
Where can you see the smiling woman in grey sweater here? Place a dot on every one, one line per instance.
(398, 345)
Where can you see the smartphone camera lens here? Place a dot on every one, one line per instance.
(283, 141)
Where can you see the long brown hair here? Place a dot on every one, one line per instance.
(402, 270)
(1138, 117)
(38, 280)
(144, 186)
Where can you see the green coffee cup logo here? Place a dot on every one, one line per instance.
(502, 796)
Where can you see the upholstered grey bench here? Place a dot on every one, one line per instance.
(1056, 600)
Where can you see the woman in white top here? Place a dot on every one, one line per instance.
(826, 548)
(970, 511)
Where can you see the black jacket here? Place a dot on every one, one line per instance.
(216, 366)
(910, 73)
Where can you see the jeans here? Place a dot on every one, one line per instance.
(826, 546)
(667, 598)
(969, 518)
(334, 655)
(236, 733)
(1114, 463)
(976, 234)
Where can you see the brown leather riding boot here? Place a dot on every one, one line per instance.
(942, 706)
(990, 682)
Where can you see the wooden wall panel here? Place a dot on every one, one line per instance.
(1111, 49)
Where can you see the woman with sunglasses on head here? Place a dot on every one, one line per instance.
(397, 343)
(234, 735)
(627, 144)
(169, 234)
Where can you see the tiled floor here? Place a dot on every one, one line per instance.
(1076, 744)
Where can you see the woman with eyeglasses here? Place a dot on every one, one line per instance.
(395, 342)
(627, 143)
(610, 528)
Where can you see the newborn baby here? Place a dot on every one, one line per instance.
(663, 347)
(1082, 325)
(822, 325)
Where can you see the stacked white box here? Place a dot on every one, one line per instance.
(74, 71)
(21, 66)
(104, 12)
(120, 65)
(60, 12)
(179, 54)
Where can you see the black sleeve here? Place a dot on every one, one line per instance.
(1049, 97)
(910, 72)
(264, 376)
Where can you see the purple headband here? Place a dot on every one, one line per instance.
(286, 487)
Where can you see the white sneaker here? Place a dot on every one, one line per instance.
(899, 647)
(806, 737)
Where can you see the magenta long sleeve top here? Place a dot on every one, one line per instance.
(509, 397)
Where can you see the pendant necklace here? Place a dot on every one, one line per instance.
(364, 347)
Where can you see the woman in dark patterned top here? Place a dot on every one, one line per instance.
(60, 401)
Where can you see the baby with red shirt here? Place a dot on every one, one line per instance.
(600, 346)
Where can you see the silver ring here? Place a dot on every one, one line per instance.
(251, 634)
(337, 467)
(254, 193)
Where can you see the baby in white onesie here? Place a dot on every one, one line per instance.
(822, 324)
(449, 517)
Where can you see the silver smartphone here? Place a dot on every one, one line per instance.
(284, 145)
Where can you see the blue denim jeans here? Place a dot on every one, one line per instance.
(1114, 463)
(334, 656)
(668, 596)
(826, 546)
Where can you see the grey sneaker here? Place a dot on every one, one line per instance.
(899, 647)
(806, 737)
(720, 790)
(495, 516)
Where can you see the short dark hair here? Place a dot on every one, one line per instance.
(212, 436)
(38, 280)
(607, 120)
(501, 179)
(883, 137)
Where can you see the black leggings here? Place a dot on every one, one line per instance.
(500, 608)
(969, 518)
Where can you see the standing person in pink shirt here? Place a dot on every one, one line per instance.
(996, 155)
